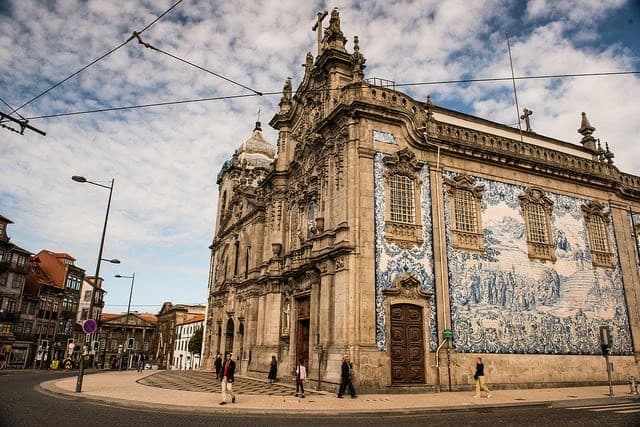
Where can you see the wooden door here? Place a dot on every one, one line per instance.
(407, 344)
(302, 330)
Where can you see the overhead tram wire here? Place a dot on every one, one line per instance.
(96, 60)
(157, 104)
(149, 46)
(499, 79)
(440, 82)
(7, 104)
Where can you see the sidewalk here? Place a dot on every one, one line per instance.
(121, 389)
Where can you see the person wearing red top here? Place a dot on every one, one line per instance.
(228, 369)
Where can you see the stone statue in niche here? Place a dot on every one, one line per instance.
(311, 228)
(285, 317)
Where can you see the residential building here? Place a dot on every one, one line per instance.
(415, 238)
(182, 357)
(87, 291)
(42, 330)
(169, 316)
(124, 338)
(14, 264)
(65, 275)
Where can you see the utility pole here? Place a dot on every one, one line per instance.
(22, 123)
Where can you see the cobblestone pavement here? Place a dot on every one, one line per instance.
(202, 381)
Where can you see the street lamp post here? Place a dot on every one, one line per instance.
(126, 330)
(82, 179)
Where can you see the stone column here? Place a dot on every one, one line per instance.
(625, 241)
(441, 277)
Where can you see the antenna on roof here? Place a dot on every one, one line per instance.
(513, 80)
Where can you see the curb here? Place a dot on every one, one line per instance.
(49, 387)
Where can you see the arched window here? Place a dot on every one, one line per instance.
(294, 228)
(402, 199)
(537, 217)
(597, 224)
(246, 261)
(464, 200)
(466, 217)
(537, 230)
(402, 212)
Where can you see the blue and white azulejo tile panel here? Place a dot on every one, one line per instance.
(504, 302)
(393, 261)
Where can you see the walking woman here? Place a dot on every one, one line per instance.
(273, 370)
(480, 381)
(301, 375)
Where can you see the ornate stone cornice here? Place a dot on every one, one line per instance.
(407, 286)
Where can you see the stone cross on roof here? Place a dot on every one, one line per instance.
(318, 28)
(525, 116)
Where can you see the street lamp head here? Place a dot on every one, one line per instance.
(114, 261)
(118, 276)
(77, 178)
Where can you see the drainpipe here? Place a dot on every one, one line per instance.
(438, 365)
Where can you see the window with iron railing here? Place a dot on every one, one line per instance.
(402, 199)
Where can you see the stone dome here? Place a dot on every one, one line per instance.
(256, 146)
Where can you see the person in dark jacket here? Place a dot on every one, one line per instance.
(479, 377)
(217, 365)
(346, 376)
(273, 370)
(227, 371)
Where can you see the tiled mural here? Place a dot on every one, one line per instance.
(503, 302)
(392, 261)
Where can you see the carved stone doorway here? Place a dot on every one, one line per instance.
(407, 344)
(302, 330)
(218, 339)
(228, 343)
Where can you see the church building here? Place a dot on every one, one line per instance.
(414, 238)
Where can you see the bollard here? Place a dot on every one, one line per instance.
(633, 385)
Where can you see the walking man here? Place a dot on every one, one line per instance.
(228, 369)
(346, 376)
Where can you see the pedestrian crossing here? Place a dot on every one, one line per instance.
(617, 408)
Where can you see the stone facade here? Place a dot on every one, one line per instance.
(414, 238)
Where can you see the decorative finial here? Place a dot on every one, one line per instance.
(357, 60)
(608, 154)
(429, 106)
(586, 130)
(285, 101)
(600, 151)
(308, 64)
(585, 126)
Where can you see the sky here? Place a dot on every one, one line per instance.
(165, 159)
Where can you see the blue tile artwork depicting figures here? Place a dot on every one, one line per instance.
(504, 302)
(393, 262)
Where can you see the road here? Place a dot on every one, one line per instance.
(22, 404)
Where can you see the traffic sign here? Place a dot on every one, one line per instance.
(89, 326)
